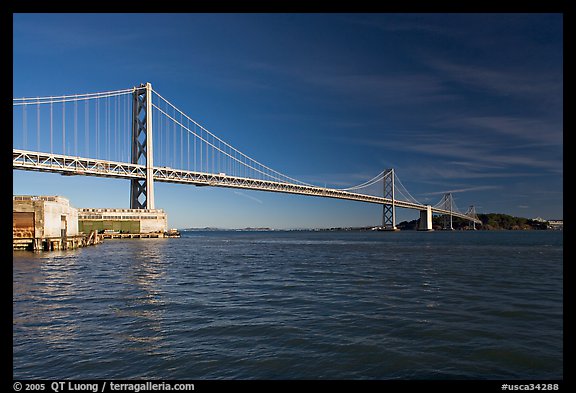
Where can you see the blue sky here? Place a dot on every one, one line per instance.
(462, 103)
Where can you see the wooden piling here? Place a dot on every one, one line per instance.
(57, 243)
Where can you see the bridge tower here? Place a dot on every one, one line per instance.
(448, 202)
(472, 213)
(389, 211)
(142, 190)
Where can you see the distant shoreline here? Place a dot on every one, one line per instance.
(490, 222)
(349, 229)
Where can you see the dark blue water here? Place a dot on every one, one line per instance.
(294, 305)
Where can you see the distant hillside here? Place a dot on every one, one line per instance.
(504, 221)
(490, 221)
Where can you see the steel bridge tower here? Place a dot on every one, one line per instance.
(472, 213)
(389, 211)
(142, 190)
(448, 205)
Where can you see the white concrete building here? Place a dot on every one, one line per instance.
(43, 217)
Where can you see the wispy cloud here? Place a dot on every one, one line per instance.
(493, 139)
(478, 151)
(369, 87)
(502, 81)
(397, 24)
(460, 190)
(378, 89)
(53, 35)
(546, 131)
(252, 198)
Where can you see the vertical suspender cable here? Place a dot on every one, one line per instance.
(119, 125)
(38, 127)
(181, 145)
(156, 156)
(209, 157)
(76, 128)
(126, 130)
(118, 128)
(97, 133)
(116, 141)
(202, 152)
(167, 132)
(64, 127)
(174, 140)
(105, 142)
(113, 130)
(24, 127)
(107, 119)
(212, 153)
(158, 131)
(110, 129)
(51, 124)
(86, 124)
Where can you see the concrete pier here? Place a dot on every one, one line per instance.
(47, 223)
(425, 223)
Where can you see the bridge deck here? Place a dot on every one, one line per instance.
(69, 165)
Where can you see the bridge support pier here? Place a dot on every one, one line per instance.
(425, 223)
(447, 222)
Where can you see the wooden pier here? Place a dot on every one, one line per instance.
(56, 243)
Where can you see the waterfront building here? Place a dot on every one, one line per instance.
(123, 220)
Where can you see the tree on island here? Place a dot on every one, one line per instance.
(490, 221)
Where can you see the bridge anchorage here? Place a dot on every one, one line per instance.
(138, 135)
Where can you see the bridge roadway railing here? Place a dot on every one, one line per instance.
(70, 165)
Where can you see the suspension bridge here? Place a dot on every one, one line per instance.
(137, 134)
